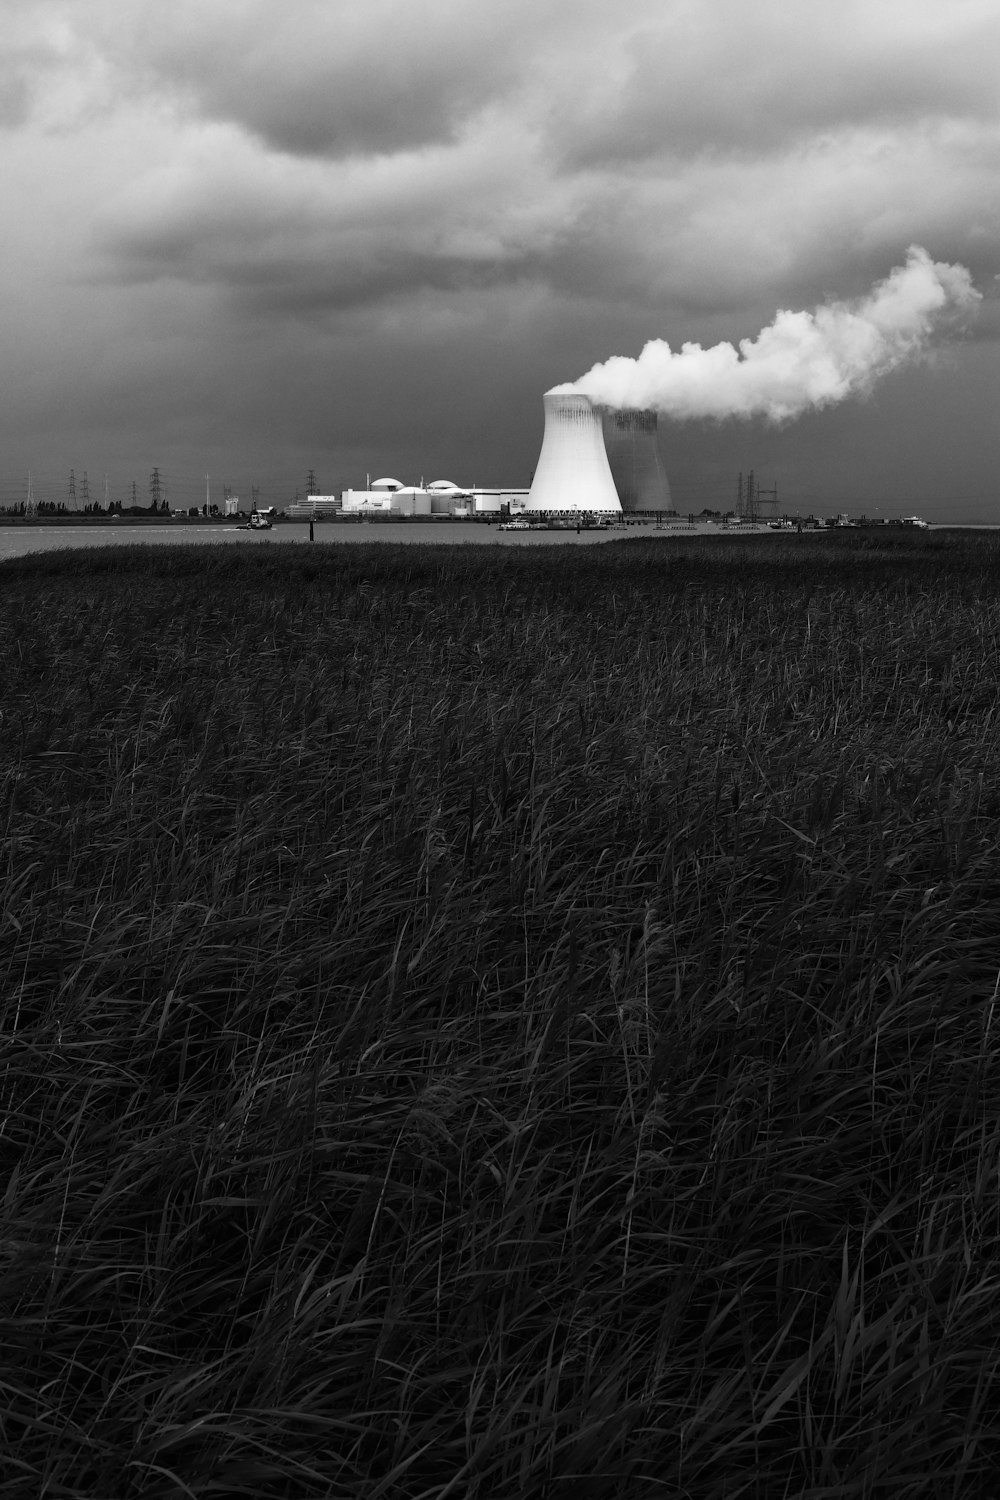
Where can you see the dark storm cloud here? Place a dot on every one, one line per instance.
(273, 283)
(332, 103)
(295, 234)
(315, 204)
(693, 155)
(323, 79)
(740, 80)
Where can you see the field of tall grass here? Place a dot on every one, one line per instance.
(489, 1025)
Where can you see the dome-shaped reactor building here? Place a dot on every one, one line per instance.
(573, 473)
(630, 440)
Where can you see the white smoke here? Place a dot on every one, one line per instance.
(801, 361)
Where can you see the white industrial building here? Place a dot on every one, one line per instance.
(494, 502)
(442, 497)
(387, 497)
(314, 506)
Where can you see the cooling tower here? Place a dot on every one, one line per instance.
(634, 456)
(573, 472)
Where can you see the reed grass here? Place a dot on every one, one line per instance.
(487, 1024)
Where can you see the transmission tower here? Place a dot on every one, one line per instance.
(155, 490)
(770, 501)
(746, 498)
(753, 503)
(72, 489)
(84, 492)
(135, 498)
(311, 486)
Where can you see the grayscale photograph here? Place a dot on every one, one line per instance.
(500, 860)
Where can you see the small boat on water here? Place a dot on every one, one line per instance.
(258, 522)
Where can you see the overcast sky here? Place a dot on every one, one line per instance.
(250, 239)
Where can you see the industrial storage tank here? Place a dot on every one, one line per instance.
(573, 473)
(446, 497)
(411, 500)
(630, 439)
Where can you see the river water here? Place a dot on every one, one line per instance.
(15, 541)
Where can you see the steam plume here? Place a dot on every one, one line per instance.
(801, 361)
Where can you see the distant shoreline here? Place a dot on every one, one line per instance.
(673, 526)
(175, 522)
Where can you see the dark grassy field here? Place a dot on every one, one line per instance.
(487, 1024)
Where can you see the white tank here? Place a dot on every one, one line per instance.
(573, 472)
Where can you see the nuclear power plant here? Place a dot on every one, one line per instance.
(594, 460)
(597, 459)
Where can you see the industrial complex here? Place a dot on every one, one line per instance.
(594, 461)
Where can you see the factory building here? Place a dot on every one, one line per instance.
(497, 502)
(313, 507)
(442, 497)
(387, 497)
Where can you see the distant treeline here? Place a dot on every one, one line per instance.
(60, 508)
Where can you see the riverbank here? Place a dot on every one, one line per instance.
(20, 536)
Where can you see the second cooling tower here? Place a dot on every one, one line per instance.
(634, 456)
(573, 473)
